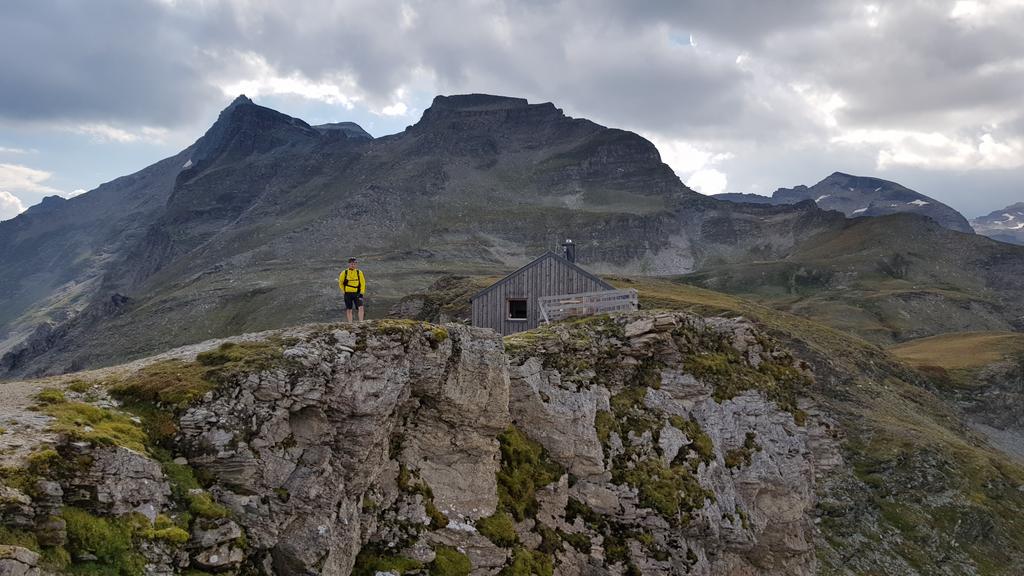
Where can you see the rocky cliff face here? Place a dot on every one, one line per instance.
(651, 444)
(683, 442)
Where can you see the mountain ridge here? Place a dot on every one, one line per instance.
(860, 196)
(1006, 225)
(245, 229)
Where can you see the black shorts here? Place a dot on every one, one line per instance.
(353, 300)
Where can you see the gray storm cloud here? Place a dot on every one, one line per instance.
(762, 94)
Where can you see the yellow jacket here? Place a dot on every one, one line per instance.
(349, 282)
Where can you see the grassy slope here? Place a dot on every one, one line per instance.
(982, 373)
(887, 280)
(920, 492)
(960, 350)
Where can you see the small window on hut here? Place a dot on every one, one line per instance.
(517, 309)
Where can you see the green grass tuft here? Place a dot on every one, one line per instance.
(15, 537)
(742, 456)
(51, 396)
(177, 383)
(700, 442)
(672, 491)
(173, 534)
(450, 562)
(203, 506)
(412, 484)
(109, 540)
(527, 563)
(171, 382)
(524, 469)
(372, 560)
(605, 424)
(91, 423)
(498, 528)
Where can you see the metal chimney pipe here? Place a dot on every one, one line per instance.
(570, 250)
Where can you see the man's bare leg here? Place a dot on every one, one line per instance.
(348, 315)
(360, 314)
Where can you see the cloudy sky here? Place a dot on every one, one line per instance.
(739, 96)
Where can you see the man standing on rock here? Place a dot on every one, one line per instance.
(353, 286)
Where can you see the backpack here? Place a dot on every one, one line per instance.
(354, 283)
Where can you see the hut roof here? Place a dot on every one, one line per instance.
(538, 260)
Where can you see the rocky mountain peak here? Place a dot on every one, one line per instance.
(842, 178)
(47, 204)
(1006, 225)
(240, 99)
(244, 128)
(349, 129)
(857, 196)
(485, 108)
(467, 102)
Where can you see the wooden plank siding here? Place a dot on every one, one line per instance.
(548, 275)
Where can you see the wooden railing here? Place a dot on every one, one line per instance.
(555, 308)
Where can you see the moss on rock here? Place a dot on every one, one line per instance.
(177, 383)
(605, 424)
(372, 560)
(110, 541)
(202, 505)
(742, 456)
(449, 561)
(51, 396)
(498, 528)
(672, 491)
(700, 442)
(525, 468)
(104, 426)
(412, 484)
(526, 563)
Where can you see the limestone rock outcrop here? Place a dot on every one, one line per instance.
(640, 444)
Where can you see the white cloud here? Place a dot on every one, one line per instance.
(396, 109)
(685, 157)
(10, 205)
(708, 181)
(964, 9)
(102, 132)
(407, 17)
(872, 11)
(24, 179)
(6, 150)
(259, 78)
(693, 163)
(760, 82)
(935, 150)
(823, 103)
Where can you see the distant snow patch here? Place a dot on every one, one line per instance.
(1009, 216)
(919, 203)
(850, 189)
(187, 164)
(877, 189)
(860, 210)
(820, 198)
